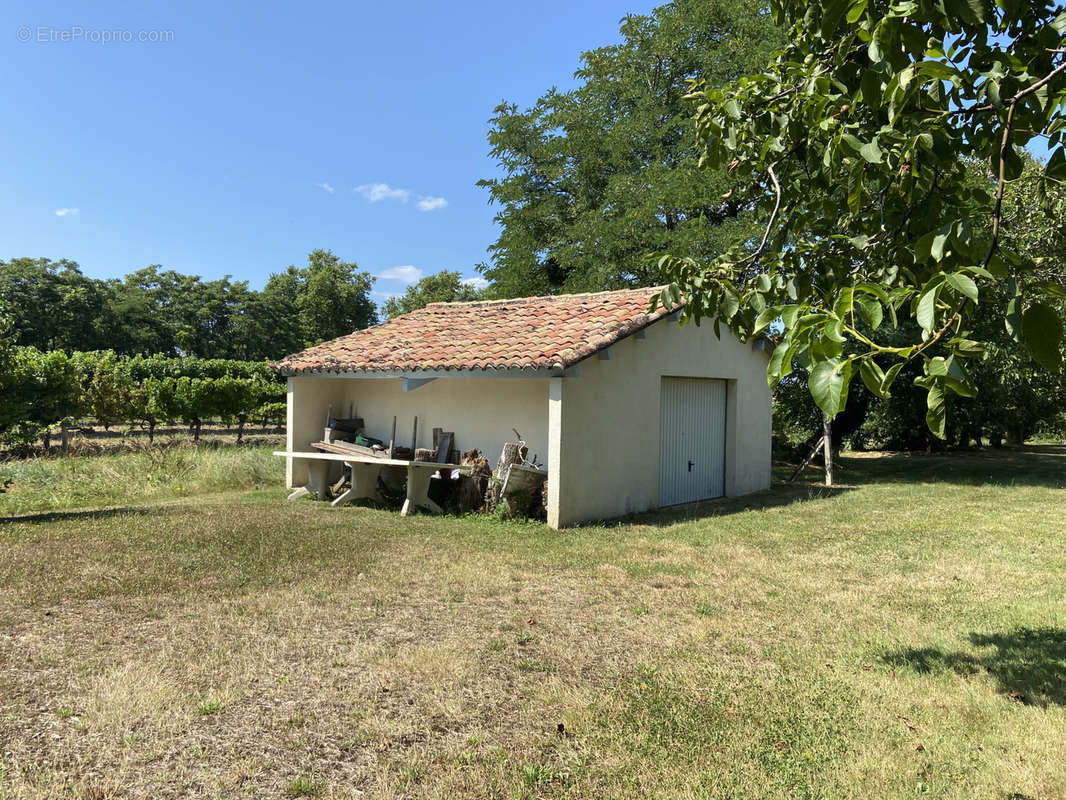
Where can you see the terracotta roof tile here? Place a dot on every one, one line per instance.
(552, 332)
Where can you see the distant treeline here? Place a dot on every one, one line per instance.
(53, 306)
(41, 389)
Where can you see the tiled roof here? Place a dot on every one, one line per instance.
(552, 332)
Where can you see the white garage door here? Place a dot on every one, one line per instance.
(692, 440)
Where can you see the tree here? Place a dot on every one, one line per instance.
(596, 177)
(326, 299)
(852, 143)
(52, 304)
(1015, 395)
(441, 287)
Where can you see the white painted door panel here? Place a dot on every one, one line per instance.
(692, 440)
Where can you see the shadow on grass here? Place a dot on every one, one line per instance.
(83, 514)
(781, 494)
(1028, 664)
(1032, 465)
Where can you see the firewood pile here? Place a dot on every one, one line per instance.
(474, 484)
(518, 487)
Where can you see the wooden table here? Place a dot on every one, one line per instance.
(365, 472)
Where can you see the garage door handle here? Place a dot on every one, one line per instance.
(690, 463)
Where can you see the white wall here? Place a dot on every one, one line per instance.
(481, 412)
(308, 400)
(605, 421)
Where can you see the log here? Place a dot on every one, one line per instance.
(472, 486)
(512, 453)
(522, 488)
(807, 459)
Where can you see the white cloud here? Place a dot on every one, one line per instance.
(406, 274)
(376, 192)
(325, 187)
(431, 203)
(67, 212)
(476, 283)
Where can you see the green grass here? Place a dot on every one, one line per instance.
(180, 469)
(902, 635)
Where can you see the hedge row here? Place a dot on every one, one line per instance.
(41, 389)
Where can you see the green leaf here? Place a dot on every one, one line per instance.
(834, 331)
(1042, 333)
(926, 312)
(729, 304)
(873, 376)
(936, 416)
(780, 364)
(1056, 165)
(871, 311)
(937, 366)
(844, 303)
(968, 347)
(977, 8)
(855, 11)
(890, 376)
(852, 141)
(826, 383)
(997, 266)
(789, 315)
(766, 318)
(1052, 289)
(871, 152)
(963, 284)
(831, 16)
(1013, 319)
(940, 240)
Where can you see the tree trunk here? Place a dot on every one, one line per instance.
(64, 433)
(151, 431)
(47, 439)
(827, 448)
(241, 419)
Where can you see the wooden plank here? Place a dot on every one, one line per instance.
(414, 437)
(360, 459)
(348, 447)
(444, 446)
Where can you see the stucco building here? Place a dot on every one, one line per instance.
(628, 410)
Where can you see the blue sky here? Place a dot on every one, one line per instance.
(250, 134)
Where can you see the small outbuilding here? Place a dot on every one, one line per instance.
(628, 410)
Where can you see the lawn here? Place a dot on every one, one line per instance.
(902, 635)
